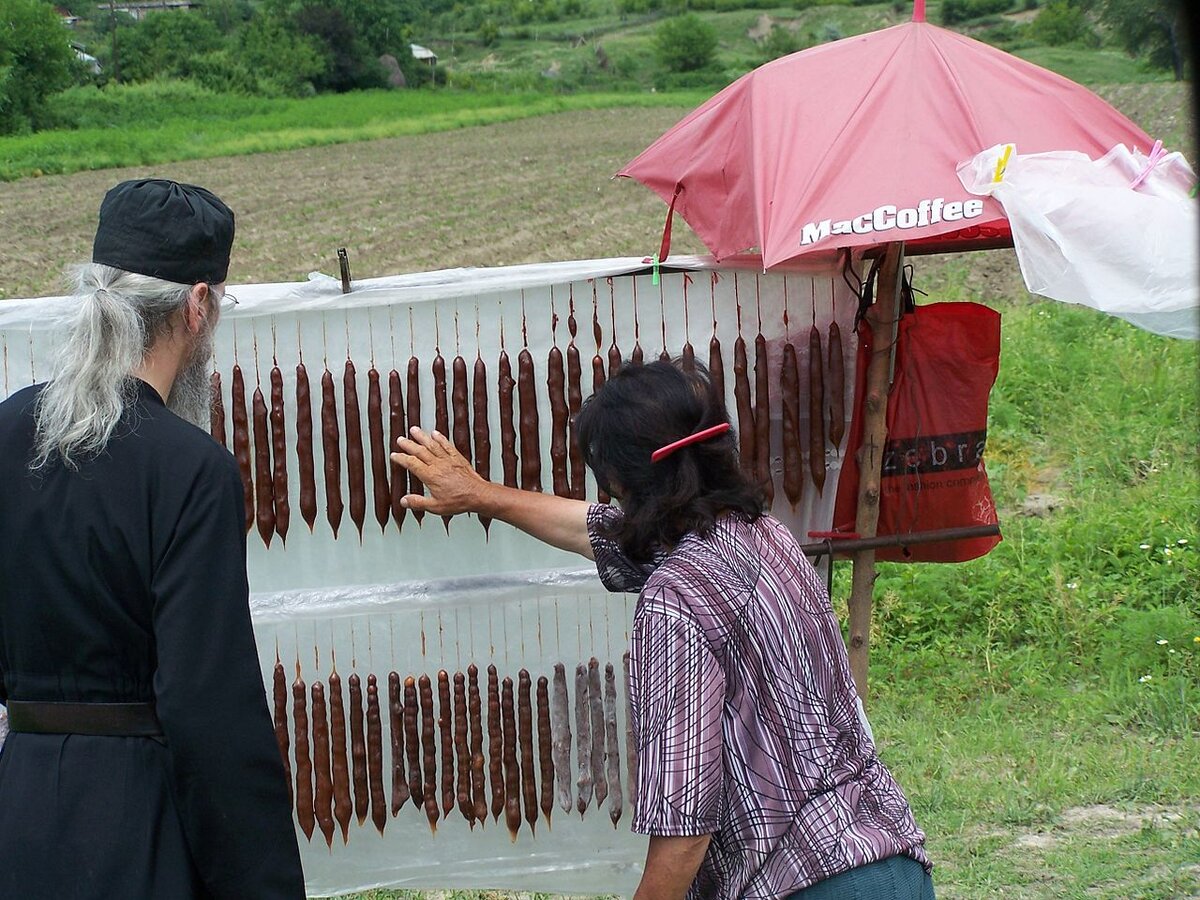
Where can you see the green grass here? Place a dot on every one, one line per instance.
(153, 124)
(1092, 66)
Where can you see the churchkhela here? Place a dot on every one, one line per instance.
(436, 744)
(462, 413)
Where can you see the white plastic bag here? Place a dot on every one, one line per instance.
(1083, 234)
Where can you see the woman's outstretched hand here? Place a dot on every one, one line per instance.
(453, 486)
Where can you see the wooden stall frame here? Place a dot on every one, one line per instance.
(882, 319)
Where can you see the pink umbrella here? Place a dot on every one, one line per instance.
(855, 143)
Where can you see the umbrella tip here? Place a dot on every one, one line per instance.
(918, 11)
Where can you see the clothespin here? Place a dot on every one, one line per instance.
(1002, 164)
(654, 269)
(1156, 154)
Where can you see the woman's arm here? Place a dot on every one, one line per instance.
(671, 867)
(454, 487)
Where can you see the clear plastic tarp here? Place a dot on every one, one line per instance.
(419, 599)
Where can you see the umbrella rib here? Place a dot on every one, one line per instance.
(961, 94)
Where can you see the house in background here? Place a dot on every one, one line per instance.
(424, 54)
(90, 62)
(138, 10)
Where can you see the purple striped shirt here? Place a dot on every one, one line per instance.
(745, 714)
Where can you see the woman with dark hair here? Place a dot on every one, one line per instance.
(757, 775)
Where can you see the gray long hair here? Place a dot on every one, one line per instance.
(119, 316)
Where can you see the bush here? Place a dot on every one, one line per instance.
(625, 7)
(1004, 35)
(164, 44)
(685, 43)
(350, 63)
(710, 78)
(489, 33)
(779, 42)
(828, 31)
(35, 61)
(284, 61)
(1061, 22)
(956, 11)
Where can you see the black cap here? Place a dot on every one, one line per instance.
(177, 232)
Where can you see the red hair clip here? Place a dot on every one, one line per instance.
(663, 452)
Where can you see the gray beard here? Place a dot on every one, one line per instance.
(191, 395)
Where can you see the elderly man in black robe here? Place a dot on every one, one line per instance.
(141, 761)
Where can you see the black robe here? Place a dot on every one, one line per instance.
(125, 581)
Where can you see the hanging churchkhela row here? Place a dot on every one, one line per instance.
(462, 412)
(437, 747)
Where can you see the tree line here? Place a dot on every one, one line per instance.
(268, 48)
(297, 47)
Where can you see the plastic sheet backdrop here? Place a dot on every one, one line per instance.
(449, 695)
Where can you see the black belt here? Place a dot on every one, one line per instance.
(105, 719)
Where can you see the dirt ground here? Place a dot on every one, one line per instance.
(529, 191)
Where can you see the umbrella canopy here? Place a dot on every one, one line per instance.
(856, 143)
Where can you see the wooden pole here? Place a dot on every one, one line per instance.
(881, 317)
